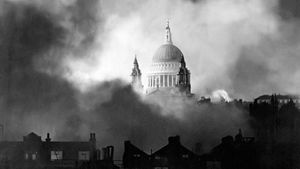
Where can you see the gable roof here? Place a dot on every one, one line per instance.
(173, 148)
(132, 149)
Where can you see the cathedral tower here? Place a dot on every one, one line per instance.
(136, 75)
(183, 78)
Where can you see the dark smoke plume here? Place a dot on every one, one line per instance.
(33, 43)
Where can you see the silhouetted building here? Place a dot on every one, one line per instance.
(282, 99)
(233, 153)
(204, 100)
(171, 156)
(175, 156)
(275, 116)
(134, 158)
(32, 152)
(276, 125)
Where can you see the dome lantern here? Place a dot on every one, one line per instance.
(168, 34)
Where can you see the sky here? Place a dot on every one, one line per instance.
(65, 66)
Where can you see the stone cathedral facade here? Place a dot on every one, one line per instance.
(168, 72)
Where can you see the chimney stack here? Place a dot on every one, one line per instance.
(93, 137)
(174, 140)
(2, 132)
(108, 153)
(48, 139)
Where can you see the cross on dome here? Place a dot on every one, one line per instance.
(168, 34)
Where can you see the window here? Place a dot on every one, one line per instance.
(84, 155)
(136, 155)
(26, 156)
(34, 156)
(185, 156)
(30, 156)
(56, 155)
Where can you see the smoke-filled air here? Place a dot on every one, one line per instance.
(65, 66)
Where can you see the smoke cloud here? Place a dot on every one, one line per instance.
(231, 45)
(65, 66)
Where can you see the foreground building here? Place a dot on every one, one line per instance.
(175, 156)
(33, 152)
(233, 153)
(172, 156)
(275, 120)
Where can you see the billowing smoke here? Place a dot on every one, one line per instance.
(212, 35)
(220, 96)
(36, 36)
(124, 116)
(244, 47)
(65, 66)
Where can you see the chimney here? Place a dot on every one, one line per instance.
(108, 153)
(93, 137)
(127, 143)
(48, 139)
(112, 152)
(2, 132)
(104, 153)
(174, 140)
(228, 140)
(98, 152)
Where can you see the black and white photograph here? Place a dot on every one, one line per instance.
(149, 84)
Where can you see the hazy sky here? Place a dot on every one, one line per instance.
(246, 47)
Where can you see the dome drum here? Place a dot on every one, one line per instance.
(171, 67)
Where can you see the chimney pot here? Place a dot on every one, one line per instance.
(92, 137)
(48, 139)
(174, 140)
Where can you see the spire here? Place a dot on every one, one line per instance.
(135, 62)
(136, 75)
(136, 70)
(168, 34)
(182, 62)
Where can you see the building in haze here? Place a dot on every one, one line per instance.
(34, 153)
(168, 72)
(282, 99)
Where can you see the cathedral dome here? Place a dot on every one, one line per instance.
(168, 71)
(167, 53)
